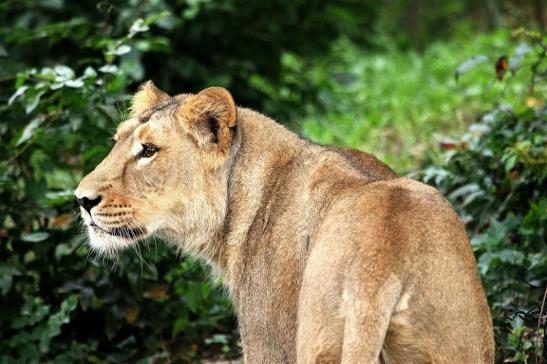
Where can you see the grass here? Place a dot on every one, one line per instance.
(398, 105)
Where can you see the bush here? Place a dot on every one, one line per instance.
(496, 178)
(57, 303)
(196, 44)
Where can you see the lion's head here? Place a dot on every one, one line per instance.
(166, 173)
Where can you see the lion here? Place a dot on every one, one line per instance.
(327, 254)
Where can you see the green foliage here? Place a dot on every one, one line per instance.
(195, 44)
(56, 304)
(394, 104)
(496, 178)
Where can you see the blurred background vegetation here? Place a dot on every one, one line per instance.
(451, 92)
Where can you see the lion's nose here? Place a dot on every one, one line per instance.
(88, 203)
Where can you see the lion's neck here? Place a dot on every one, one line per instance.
(265, 149)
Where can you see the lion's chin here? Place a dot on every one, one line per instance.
(106, 244)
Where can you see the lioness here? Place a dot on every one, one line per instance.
(328, 255)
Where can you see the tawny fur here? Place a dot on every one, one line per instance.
(328, 256)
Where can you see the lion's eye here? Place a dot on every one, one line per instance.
(112, 141)
(148, 150)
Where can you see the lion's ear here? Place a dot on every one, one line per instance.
(209, 116)
(147, 96)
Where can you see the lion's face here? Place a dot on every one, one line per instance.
(165, 174)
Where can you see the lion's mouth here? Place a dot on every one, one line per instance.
(123, 231)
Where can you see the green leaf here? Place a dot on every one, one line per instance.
(77, 83)
(89, 72)
(55, 321)
(6, 277)
(156, 17)
(31, 103)
(119, 50)
(109, 68)
(510, 162)
(138, 26)
(29, 130)
(20, 91)
(63, 73)
(35, 237)
(179, 325)
(510, 256)
(33, 311)
(62, 250)
(464, 190)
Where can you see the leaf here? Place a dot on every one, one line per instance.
(33, 311)
(35, 237)
(108, 68)
(62, 250)
(55, 321)
(158, 293)
(497, 232)
(62, 221)
(59, 198)
(119, 50)
(479, 241)
(89, 72)
(156, 17)
(6, 277)
(31, 105)
(131, 314)
(29, 130)
(469, 64)
(20, 91)
(217, 339)
(194, 296)
(510, 256)
(138, 26)
(448, 145)
(180, 324)
(484, 263)
(77, 83)
(510, 162)
(129, 341)
(471, 197)
(464, 190)
(502, 65)
(63, 73)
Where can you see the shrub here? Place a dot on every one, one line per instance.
(496, 178)
(57, 303)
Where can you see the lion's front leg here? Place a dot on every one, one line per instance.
(320, 329)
